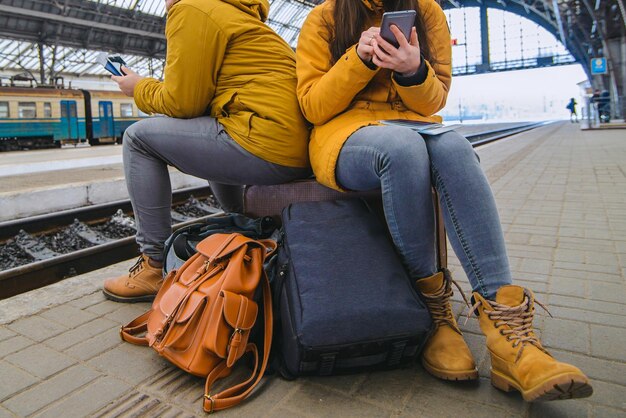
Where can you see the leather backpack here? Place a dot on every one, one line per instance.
(202, 316)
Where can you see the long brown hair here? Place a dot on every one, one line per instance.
(350, 18)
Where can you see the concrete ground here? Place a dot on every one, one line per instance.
(562, 198)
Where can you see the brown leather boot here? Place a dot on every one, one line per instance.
(445, 354)
(141, 284)
(518, 360)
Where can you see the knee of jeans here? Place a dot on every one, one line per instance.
(451, 147)
(405, 148)
(132, 134)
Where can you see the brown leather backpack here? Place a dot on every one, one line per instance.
(202, 316)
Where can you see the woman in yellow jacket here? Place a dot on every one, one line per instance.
(229, 94)
(350, 78)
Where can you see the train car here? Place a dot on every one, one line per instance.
(50, 117)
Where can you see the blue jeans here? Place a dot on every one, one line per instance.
(404, 165)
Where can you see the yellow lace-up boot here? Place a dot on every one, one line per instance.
(445, 354)
(141, 284)
(518, 360)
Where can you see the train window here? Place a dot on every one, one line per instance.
(4, 109)
(126, 110)
(27, 110)
(47, 110)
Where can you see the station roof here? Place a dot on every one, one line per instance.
(75, 31)
(68, 34)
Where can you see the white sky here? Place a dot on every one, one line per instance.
(525, 87)
(540, 93)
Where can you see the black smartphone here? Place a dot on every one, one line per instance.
(404, 20)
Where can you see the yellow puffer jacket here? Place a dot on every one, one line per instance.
(340, 99)
(223, 61)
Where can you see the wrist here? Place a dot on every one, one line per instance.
(409, 74)
(415, 69)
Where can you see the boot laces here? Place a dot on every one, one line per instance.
(137, 267)
(438, 303)
(519, 319)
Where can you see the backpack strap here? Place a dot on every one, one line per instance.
(136, 326)
(139, 325)
(235, 394)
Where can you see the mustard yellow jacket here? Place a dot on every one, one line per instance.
(223, 61)
(347, 96)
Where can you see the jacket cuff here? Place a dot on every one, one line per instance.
(351, 53)
(139, 95)
(368, 64)
(413, 80)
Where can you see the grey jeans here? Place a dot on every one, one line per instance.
(199, 147)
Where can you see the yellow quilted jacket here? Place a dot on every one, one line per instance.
(223, 61)
(347, 96)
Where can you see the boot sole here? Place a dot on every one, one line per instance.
(565, 386)
(450, 375)
(123, 299)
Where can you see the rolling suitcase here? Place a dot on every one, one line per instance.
(343, 296)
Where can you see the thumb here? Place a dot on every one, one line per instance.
(128, 71)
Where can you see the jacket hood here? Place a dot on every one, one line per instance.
(374, 5)
(257, 8)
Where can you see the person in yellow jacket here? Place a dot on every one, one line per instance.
(231, 117)
(349, 79)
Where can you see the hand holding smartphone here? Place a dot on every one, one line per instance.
(404, 20)
(112, 63)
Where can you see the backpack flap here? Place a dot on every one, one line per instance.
(168, 303)
(195, 301)
(219, 246)
(240, 313)
(228, 336)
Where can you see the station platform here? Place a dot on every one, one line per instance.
(66, 178)
(561, 193)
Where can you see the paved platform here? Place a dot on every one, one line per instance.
(562, 197)
(66, 178)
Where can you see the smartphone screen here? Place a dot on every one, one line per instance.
(404, 20)
(112, 64)
(117, 62)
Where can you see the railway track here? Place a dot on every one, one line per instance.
(89, 233)
(492, 135)
(45, 249)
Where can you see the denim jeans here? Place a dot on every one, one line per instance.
(199, 147)
(404, 165)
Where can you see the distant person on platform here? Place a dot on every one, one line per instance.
(573, 116)
(603, 107)
(229, 90)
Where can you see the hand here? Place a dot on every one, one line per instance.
(127, 82)
(364, 48)
(404, 60)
